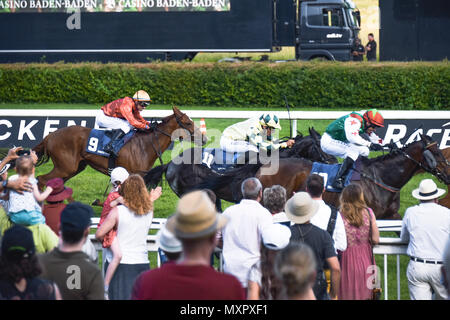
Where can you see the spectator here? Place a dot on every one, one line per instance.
(133, 220)
(55, 203)
(358, 50)
(195, 224)
(21, 184)
(371, 48)
(24, 208)
(262, 283)
(357, 259)
(242, 235)
(19, 269)
(274, 199)
(300, 209)
(118, 176)
(426, 228)
(77, 277)
(295, 267)
(169, 247)
(446, 269)
(327, 218)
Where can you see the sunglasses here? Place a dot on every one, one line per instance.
(145, 104)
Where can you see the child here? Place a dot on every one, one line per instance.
(24, 208)
(118, 176)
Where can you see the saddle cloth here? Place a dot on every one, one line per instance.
(329, 172)
(99, 138)
(219, 160)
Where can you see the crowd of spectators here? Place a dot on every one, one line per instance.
(272, 247)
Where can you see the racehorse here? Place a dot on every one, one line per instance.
(381, 177)
(184, 177)
(67, 148)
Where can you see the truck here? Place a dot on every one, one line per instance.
(144, 30)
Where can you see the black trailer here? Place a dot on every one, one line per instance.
(414, 30)
(141, 30)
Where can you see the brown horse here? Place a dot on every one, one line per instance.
(67, 148)
(382, 177)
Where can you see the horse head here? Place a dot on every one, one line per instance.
(309, 147)
(186, 124)
(433, 161)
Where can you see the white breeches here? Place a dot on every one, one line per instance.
(230, 145)
(102, 120)
(342, 149)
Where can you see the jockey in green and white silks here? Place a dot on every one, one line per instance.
(342, 138)
(253, 135)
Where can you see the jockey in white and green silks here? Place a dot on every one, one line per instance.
(342, 139)
(253, 135)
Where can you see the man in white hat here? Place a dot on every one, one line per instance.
(300, 209)
(123, 115)
(195, 224)
(426, 228)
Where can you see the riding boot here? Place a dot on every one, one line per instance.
(116, 135)
(342, 173)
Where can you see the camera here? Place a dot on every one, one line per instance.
(23, 152)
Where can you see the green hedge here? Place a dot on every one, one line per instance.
(305, 84)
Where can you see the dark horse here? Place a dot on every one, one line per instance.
(381, 177)
(67, 148)
(184, 176)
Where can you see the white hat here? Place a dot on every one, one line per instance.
(5, 168)
(301, 208)
(427, 190)
(167, 241)
(119, 174)
(276, 236)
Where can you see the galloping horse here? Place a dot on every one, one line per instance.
(184, 177)
(67, 148)
(381, 177)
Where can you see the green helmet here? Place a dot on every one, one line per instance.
(269, 119)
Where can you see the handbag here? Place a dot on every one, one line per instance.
(376, 292)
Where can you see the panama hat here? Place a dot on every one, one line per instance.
(427, 190)
(167, 241)
(195, 217)
(301, 208)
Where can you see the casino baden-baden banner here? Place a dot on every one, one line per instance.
(48, 6)
(28, 130)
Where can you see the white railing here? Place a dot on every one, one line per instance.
(387, 246)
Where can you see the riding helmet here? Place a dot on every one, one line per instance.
(270, 120)
(373, 117)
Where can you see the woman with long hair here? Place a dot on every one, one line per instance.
(20, 269)
(357, 266)
(132, 219)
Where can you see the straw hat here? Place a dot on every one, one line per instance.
(195, 217)
(301, 208)
(427, 190)
(167, 241)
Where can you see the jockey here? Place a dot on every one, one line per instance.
(123, 115)
(252, 135)
(342, 139)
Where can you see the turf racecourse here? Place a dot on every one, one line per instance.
(90, 184)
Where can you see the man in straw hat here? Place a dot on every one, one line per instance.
(195, 224)
(426, 228)
(300, 209)
(123, 115)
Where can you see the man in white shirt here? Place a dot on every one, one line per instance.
(323, 219)
(242, 234)
(426, 228)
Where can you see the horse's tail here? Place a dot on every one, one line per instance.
(231, 178)
(153, 177)
(41, 152)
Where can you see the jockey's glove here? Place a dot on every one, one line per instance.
(375, 147)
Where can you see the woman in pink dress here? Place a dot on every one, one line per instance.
(356, 261)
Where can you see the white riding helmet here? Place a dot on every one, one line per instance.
(269, 119)
(141, 96)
